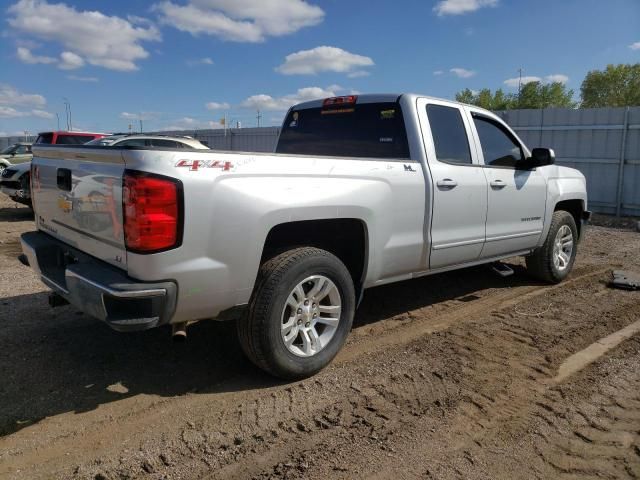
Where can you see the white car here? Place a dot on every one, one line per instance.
(16, 153)
(159, 141)
(14, 182)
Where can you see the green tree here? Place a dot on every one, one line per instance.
(539, 95)
(616, 86)
(485, 99)
(532, 95)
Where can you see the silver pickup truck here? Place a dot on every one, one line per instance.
(361, 191)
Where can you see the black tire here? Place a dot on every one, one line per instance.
(259, 330)
(540, 264)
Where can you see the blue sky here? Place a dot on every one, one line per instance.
(184, 63)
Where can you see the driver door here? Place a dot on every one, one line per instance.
(516, 196)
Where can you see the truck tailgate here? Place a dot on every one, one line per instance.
(77, 198)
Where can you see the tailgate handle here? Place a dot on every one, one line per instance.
(64, 179)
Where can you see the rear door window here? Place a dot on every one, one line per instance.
(73, 139)
(133, 142)
(449, 134)
(372, 130)
(165, 143)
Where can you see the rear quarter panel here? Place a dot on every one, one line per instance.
(229, 211)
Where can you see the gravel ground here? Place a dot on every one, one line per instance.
(450, 376)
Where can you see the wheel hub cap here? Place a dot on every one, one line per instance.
(563, 248)
(311, 315)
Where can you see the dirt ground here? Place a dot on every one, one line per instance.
(450, 376)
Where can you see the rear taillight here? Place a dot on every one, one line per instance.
(152, 212)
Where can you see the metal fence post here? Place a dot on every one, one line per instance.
(623, 151)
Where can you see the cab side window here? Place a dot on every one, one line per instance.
(164, 143)
(133, 142)
(449, 134)
(499, 147)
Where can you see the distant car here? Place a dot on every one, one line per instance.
(16, 153)
(66, 138)
(139, 140)
(14, 178)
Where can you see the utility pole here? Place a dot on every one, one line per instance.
(58, 118)
(519, 84)
(259, 116)
(67, 109)
(140, 124)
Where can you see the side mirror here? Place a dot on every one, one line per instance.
(541, 157)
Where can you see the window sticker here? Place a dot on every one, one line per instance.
(388, 114)
(294, 122)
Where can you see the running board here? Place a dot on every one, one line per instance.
(502, 269)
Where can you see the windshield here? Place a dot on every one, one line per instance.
(373, 130)
(8, 150)
(45, 138)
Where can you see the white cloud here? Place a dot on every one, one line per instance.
(10, 96)
(139, 116)
(267, 102)
(438, 72)
(70, 61)
(462, 72)
(459, 7)
(10, 112)
(556, 77)
(41, 114)
(199, 61)
(26, 56)
(635, 46)
(79, 78)
(323, 59)
(240, 20)
(218, 106)
(188, 123)
(98, 39)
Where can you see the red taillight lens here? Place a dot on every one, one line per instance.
(151, 207)
(346, 100)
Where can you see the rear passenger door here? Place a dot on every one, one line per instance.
(516, 196)
(459, 206)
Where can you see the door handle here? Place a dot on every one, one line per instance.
(498, 184)
(447, 183)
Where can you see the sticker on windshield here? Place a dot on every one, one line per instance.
(386, 139)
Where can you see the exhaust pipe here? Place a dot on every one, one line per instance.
(179, 332)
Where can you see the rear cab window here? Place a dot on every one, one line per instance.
(73, 139)
(369, 130)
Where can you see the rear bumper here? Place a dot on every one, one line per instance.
(97, 288)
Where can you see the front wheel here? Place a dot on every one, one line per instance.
(300, 313)
(553, 261)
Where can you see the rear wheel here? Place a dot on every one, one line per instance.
(554, 260)
(300, 313)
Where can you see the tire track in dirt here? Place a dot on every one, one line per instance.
(493, 402)
(269, 426)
